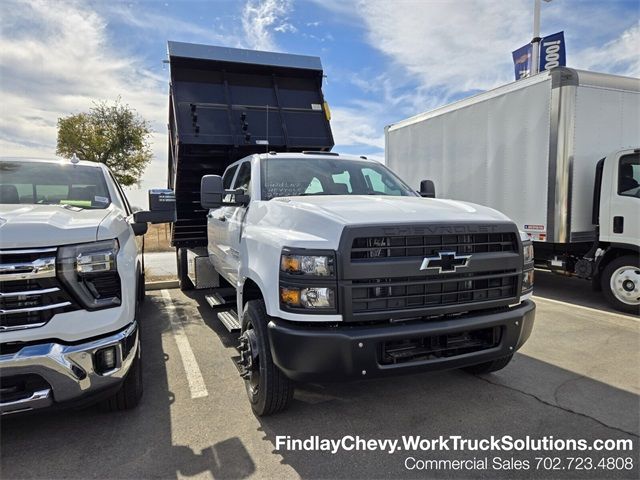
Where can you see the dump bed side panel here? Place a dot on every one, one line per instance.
(228, 103)
(492, 150)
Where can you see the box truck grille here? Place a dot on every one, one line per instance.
(30, 293)
(428, 245)
(399, 293)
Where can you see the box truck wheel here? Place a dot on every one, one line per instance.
(183, 273)
(268, 389)
(488, 367)
(620, 281)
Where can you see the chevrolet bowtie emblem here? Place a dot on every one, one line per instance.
(445, 262)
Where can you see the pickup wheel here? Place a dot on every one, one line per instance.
(183, 278)
(620, 282)
(268, 389)
(131, 390)
(488, 367)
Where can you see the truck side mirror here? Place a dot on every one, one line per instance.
(427, 189)
(162, 209)
(211, 191)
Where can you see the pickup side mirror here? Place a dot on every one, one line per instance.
(162, 209)
(211, 191)
(427, 189)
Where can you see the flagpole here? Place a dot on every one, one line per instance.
(535, 42)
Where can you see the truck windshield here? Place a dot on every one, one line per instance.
(49, 183)
(287, 177)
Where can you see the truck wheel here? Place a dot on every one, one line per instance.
(620, 282)
(268, 389)
(488, 367)
(183, 278)
(131, 390)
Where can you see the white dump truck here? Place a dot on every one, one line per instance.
(71, 282)
(556, 152)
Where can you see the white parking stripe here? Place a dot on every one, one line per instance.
(194, 376)
(588, 309)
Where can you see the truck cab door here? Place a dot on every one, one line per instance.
(619, 219)
(217, 227)
(236, 221)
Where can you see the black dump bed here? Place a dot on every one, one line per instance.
(227, 103)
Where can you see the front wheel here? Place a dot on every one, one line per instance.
(620, 282)
(268, 389)
(130, 393)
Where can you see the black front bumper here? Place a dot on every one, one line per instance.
(324, 354)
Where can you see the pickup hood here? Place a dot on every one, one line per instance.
(370, 209)
(48, 225)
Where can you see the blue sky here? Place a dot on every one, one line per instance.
(384, 60)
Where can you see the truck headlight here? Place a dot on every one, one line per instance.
(528, 252)
(316, 265)
(311, 297)
(527, 267)
(89, 270)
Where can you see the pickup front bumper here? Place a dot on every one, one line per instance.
(43, 375)
(322, 354)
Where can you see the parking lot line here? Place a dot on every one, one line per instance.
(588, 309)
(192, 370)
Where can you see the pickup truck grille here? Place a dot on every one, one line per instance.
(415, 292)
(416, 271)
(30, 293)
(426, 245)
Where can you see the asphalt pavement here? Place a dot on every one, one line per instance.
(576, 378)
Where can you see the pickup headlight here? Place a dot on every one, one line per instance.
(311, 297)
(528, 252)
(89, 270)
(527, 267)
(316, 265)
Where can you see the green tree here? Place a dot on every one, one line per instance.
(111, 134)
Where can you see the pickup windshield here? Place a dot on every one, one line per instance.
(52, 183)
(287, 177)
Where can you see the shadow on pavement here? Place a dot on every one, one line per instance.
(132, 444)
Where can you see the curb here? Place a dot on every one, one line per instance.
(161, 285)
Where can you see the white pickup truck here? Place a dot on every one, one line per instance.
(71, 282)
(342, 272)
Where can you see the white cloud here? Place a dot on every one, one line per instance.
(261, 18)
(620, 55)
(58, 61)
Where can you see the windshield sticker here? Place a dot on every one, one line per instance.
(100, 199)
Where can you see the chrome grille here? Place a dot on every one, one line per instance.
(30, 293)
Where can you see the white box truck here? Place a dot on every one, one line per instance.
(557, 153)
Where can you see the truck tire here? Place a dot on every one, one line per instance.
(620, 280)
(131, 390)
(488, 367)
(268, 389)
(182, 269)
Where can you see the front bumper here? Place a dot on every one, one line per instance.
(48, 374)
(321, 354)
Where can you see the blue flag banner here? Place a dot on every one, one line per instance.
(522, 61)
(552, 53)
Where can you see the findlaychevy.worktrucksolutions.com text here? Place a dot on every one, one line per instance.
(505, 443)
